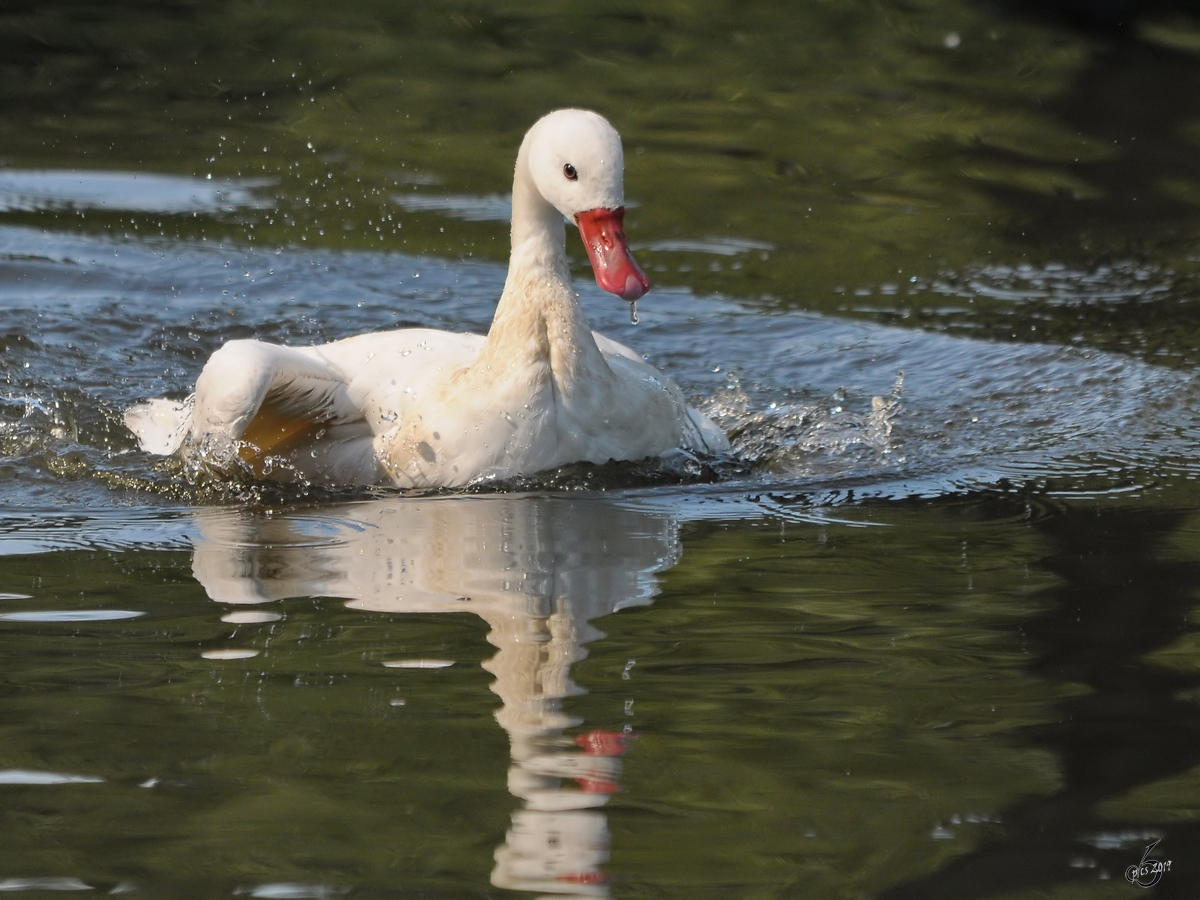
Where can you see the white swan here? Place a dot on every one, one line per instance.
(424, 408)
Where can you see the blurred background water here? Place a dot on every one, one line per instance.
(929, 631)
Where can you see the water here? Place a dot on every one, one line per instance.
(928, 631)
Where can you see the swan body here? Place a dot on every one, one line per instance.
(424, 408)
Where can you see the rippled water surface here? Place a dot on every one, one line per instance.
(928, 631)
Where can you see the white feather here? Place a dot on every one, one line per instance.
(419, 407)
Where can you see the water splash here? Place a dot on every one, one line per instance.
(38, 423)
(633, 313)
(796, 439)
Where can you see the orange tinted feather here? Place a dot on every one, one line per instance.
(271, 433)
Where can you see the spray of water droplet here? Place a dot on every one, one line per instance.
(790, 438)
(633, 316)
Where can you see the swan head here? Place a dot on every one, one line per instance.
(575, 159)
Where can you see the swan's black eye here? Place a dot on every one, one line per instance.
(570, 173)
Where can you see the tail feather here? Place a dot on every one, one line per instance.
(703, 434)
(160, 425)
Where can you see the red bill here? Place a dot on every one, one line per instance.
(604, 239)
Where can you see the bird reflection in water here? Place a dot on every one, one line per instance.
(537, 570)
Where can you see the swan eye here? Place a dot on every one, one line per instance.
(570, 173)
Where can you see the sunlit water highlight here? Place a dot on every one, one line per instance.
(70, 615)
(22, 777)
(33, 190)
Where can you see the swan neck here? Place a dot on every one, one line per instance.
(539, 316)
(537, 227)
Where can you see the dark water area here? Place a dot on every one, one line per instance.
(928, 631)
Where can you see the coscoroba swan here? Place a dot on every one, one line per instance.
(424, 408)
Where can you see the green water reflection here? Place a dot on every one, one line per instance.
(901, 707)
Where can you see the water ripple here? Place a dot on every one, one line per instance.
(28, 190)
(33, 777)
(71, 615)
(813, 403)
